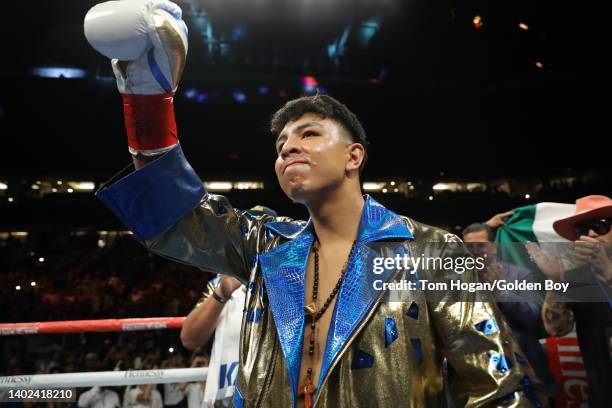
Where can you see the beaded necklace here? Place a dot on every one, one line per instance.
(308, 389)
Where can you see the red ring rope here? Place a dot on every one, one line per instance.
(84, 326)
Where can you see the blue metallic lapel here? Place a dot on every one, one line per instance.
(378, 223)
(357, 294)
(284, 270)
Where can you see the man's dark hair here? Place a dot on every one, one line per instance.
(327, 108)
(478, 227)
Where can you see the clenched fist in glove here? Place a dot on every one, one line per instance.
(147, 43)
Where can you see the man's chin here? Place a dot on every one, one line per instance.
(297, 195)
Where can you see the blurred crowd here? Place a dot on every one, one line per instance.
(83, 278)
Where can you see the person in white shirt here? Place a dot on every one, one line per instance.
(195, 391)
(195, 394)
(173, 395)
(99, 398)
(144, 396)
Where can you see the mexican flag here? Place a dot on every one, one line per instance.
(532, 223)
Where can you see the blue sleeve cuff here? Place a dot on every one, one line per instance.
(152, 199)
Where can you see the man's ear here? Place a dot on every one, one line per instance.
(356, 154)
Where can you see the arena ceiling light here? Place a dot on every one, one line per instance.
(476, 186)
(373, 186)
(218, 185)
(248, 185)
(82, 185)
(58, 72)
(444, 186)
(3, 186)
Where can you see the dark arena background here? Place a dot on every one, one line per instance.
(472, 108)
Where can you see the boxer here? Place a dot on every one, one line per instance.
(315, 331)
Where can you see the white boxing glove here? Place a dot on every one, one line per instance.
(146, 40)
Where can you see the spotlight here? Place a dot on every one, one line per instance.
(190, 93)
(239, 96)
(201, 98)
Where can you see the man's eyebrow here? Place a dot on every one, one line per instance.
(298, 129)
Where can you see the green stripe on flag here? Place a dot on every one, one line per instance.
(515, 234)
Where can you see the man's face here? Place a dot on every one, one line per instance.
(200, 361)
(596, 228)
(480, 246)
(314, 155)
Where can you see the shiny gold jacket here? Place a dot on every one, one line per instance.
(406, 350)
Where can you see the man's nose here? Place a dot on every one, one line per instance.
(291, 147)
(592, 234)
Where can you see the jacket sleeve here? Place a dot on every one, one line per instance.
(167, 208)
(486, 367)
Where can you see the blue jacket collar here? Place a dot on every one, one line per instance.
(284, 270)
(377, 223)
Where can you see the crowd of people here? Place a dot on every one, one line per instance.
(78, 277)
(85, 279)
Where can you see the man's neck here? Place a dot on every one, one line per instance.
(336, 217)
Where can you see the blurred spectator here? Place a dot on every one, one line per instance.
(590, 230)
(145, 395)
(173, 395)
(201, 322)
(195, 391)
(98, 397)
(498, 219)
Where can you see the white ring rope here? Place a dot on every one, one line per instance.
(104, 378)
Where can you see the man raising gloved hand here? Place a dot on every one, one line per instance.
(316, 330)
(147, 43)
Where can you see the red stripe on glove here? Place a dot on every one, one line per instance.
(149, 121)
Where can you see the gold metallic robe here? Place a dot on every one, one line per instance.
(368, 367)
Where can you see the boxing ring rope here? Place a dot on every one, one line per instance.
(101, 378)
(104, 378)
(85, 326)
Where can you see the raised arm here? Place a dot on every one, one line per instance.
(201, 322)
(163, 201)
